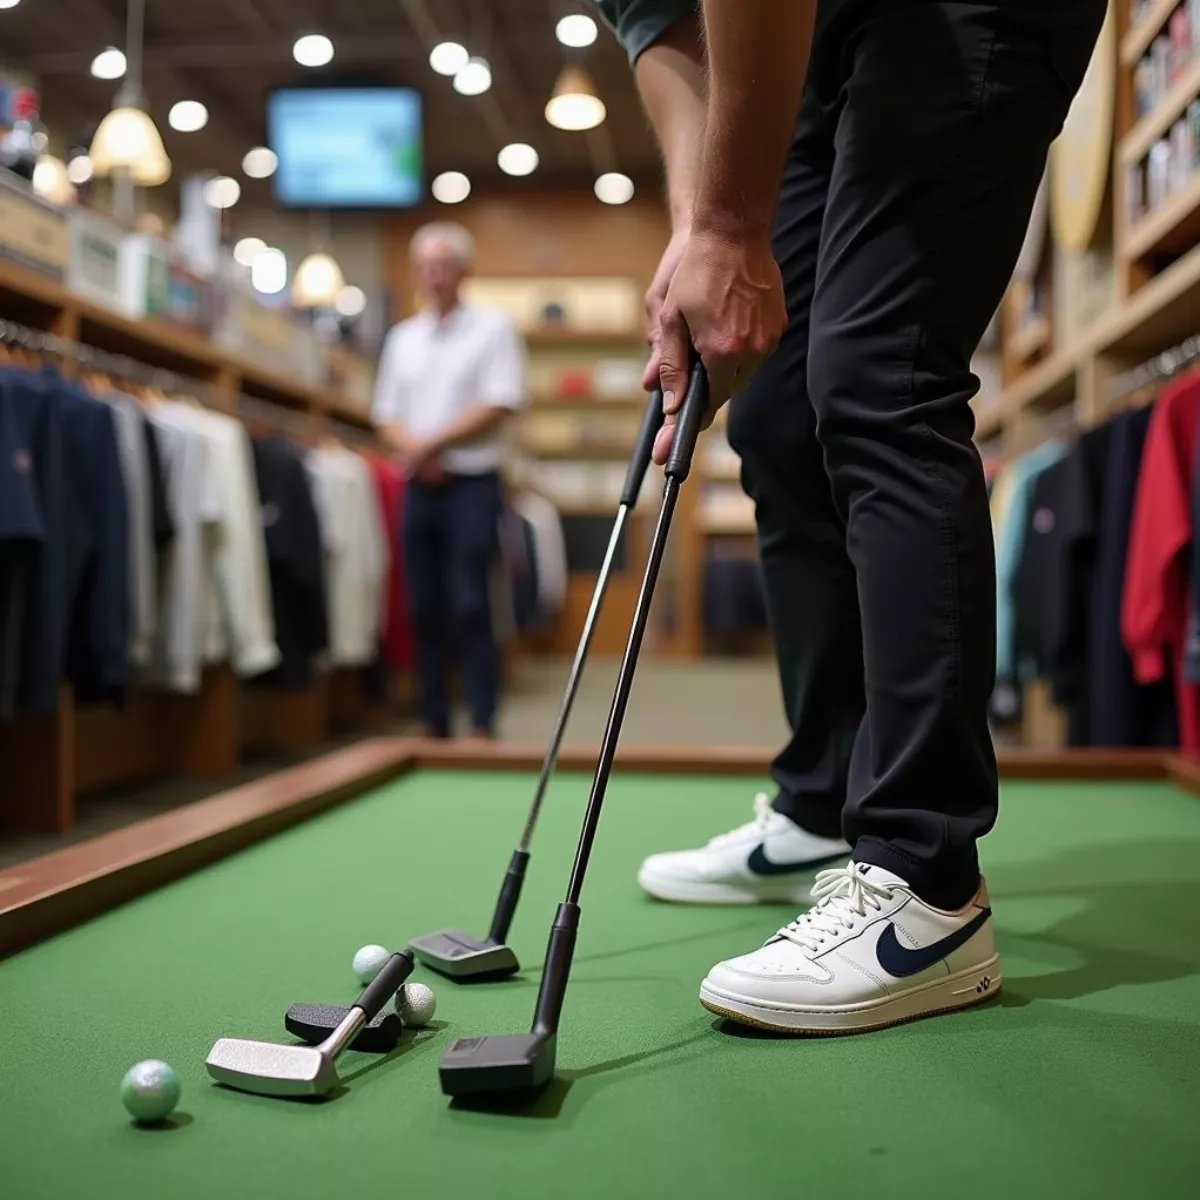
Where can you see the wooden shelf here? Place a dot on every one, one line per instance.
(1048, 385)
(1174, 225)
(989, 423)
(1164, 312)
(721, 471)
(728, 526)
(553, 335)
(591, 404)
(1030, 339)
(1156, 123)
(1138, 39)
(30, 285)
(581, 453)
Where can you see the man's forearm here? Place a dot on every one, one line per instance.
(472, 425)
(670, 78)
(758, 53)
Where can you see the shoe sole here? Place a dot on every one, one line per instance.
(958, 991)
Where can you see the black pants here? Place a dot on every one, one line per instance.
(922, 137)
(450, 534)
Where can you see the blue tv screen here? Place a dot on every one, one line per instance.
(347, 147)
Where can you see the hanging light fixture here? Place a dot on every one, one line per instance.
(51, 181)
(128, 145)
(574, 104)
(318, 282)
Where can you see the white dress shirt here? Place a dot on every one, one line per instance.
(433, 370)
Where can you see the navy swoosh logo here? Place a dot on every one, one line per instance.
(901, 962)
(759, 864)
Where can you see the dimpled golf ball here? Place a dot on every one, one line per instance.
(415, 1005)
(368, 962)
(150, 1091)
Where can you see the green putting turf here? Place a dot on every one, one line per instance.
(1081, 1079)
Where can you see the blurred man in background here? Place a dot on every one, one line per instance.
(450, 378)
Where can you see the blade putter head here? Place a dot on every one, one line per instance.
(488, 1065)
(313, 1023)
(268, 1069)
(461, 956)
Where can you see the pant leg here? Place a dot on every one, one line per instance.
(809, 583)
(426, 573)
(945, 113)
(472, 545)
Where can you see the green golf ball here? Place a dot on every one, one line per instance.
(150, 1090)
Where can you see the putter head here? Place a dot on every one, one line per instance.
(313, 1023)
(461, 956)
(269, 1069)
(513, 1063)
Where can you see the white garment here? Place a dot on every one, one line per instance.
(356, 554)
(434, 371)
(551, 549)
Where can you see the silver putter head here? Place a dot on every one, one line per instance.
(269, 1069)
(459, 955)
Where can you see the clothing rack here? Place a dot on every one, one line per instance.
(1155, 370)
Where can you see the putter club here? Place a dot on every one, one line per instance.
(313, 1023)
(454, 952)
(521, 1062)
(270, 1069)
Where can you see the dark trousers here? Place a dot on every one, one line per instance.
(917, 154)
(449, 537)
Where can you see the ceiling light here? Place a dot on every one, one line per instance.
(576, 30)
(128, 142)
(451, 187)
(614, 188)
(574, 104)
(473, 78)
(109, 64)
(313, 50)
(518, 159)
(50, 179)
(40, 141)
(187, 116)
(221, 191)
(260, 163)
(318, 283)
(269, 271)
(79, 169)
(351, 301)
(448, 58)
(247, 250)
(9, 3)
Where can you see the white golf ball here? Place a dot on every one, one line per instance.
(415, 1005)
(368, 962)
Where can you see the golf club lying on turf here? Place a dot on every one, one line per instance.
(461, 955)
(313, 1023)
(274, 1070)
(519, 1062)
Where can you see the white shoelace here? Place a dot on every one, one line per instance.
(843, 895)
(762, 816)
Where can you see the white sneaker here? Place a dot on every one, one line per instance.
(769, 860)
(869, 954)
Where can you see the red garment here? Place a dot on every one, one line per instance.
(1154, 600)
(398, 633)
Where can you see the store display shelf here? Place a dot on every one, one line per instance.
(601, 452)
(554, 335)
(547, 402)
(722, 470)
(1157, 123)
(1166, 310)
(1138, 39)
(1174, 225)
(1031, 339)
(727, 525)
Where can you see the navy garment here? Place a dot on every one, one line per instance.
(160, 506)
(1124, 713)
(450, 541)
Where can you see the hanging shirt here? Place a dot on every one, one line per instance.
(433, 371)
(1154, 604)
(551, 550)
(399, 646)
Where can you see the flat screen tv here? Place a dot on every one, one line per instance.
(346, 147)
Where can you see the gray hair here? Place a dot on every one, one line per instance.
(444, 233)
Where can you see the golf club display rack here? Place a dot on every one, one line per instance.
(46, 761)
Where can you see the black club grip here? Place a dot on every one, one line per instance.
(510, 893)
(386, 984)
(652, 422)
(691, 421)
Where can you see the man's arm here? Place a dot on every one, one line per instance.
(726, 296)
(470, 427)
(389, 401)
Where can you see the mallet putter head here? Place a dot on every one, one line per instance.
(272, 1070)
(460, 955)
(512, 1063)
(313, 1023)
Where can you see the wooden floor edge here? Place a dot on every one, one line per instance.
(48, 894)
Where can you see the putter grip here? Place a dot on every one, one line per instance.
(691, 418)
(510, 893)
(652, 421)
(386, 984)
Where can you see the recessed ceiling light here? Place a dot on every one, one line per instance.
(614, 188)
(269, 272)
(109, 64)
(451, 187)
(518, 159)
(576, 30)
(222, 192)
(351, 301)
(187, 116)
(248, 249)
(474, 78)
(79, 169)
(313, 50)
(9, 3)
(260, 163)
(448, 58)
